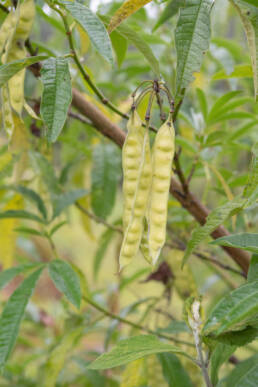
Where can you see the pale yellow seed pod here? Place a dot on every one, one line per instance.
(5, 29)
(162, 158)
(137, 179)
(7, 111)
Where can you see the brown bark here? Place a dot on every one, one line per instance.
(188, 200)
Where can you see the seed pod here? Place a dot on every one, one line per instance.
(5, 30)
(7, 111)
(137, 179)
(163, 154)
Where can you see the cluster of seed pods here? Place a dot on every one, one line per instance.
(146, 183)
(13, 34)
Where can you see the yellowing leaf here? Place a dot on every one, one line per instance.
(19, 145)
(56, 360)
(134, 374)
(7, 233)
(84, 40)
(127, 9)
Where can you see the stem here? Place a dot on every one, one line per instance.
(84, 73)
(134, 325)
(202, 364)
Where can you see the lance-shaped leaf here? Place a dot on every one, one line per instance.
(235, 311)
(104, 178)
(93, 26)
(66, 280)
(249, 17)
(20, 214)
(57, 95)
(253, 269)
(7, 71)
(170, 10)
(192, 41)
(12, 315)
(7, 275)
(134, 348)
(251, 189)
(245, 374)
(246, 241)
(220, 355)
(215, 219)
(173, 371)
(127, 9)
(136, 39)
(62, 201)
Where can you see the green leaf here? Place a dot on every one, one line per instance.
(249, 16)
(170, 10)
(134, 348)
(245, 241)
(245, 374)
(214, 220)
(60, 202)
(93, 26)
(103, 244)
(253, 269)
(235, 311)
(105, 175)
(57, 95)
(173, 371)
(7, 275)
(66, 280)
(240, 71)
(120, 45)
(238, 338)
(46, 170)
(203, 102)
(221, 103)
(8, 70)
(251, 189)
(28, 230)
(253, 2)
(218, 114)
(56, 360)
(220, 355)
(32, 195)
(192, 40)
(21, 214)
(136, 39)
(12, 315)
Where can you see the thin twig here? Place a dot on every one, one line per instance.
(134, 325)
(189, 178)
(97, 219)
(179, 172)
(81, 118)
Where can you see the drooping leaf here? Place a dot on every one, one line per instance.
(170, 10)
(12, 315)
(246, 241)
(103, 244)
(220, 355)
(127, 9)
(173, 371)
(66, 280)
(7, 234)
(57, 95)
(245, 374)
(235, 311)
(46, 170)
(104, 177)
(136, 39)
(31, 195)
(192, 40)
(93, 26)
(249, 16)
(60, 202)
(7, 71)
(134, 348)
(253, 269)
(214, 219)
(7, 275)
(56, 360)
(120, 45)
(20, 214)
